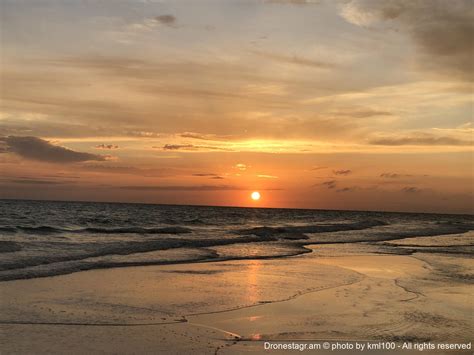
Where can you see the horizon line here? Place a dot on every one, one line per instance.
(228, 206)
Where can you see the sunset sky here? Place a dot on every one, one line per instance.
(361, 105)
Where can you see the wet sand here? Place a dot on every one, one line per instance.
(232, 307)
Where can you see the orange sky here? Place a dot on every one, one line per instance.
(316, 104)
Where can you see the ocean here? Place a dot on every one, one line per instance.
(46, 238)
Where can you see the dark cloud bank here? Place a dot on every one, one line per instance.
(35, 148)
(442, 30)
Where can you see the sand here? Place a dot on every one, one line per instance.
(233, 307)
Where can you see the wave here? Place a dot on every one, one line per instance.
(37, 257)
(190, 222)
(292, 232)
(40, 229)
(88, 250)
(97, 230)
(124, 248)
(136, 230)
(7, 229)
(9, 247)
(72, 266)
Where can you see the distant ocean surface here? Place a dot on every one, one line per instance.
(45, 238)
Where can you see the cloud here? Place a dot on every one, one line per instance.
(331, 184)
(149, 24)
(241, 167)
(394, 175)
(3, 146)
(467, 127)
(33, 181)
(193, 135)
(131, 170)
(167, 20)
(176, 146)
(293, 2)
(267, 176)
(106, 146)
(206, 137)
(191, 147)
(209, 175)
(420, 139)
(190, 188)
(204, 174)
(411, 189)
(362, 113)
(294, 60)
(346, 189)
(144, 134)
(442, 30)
(342, 172)
(151, 79)
(319, 167)
(39, 149)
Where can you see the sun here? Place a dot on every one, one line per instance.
(255, 195)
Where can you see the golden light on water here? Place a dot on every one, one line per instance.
(255, 196)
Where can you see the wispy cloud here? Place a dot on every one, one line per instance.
(33, 181)
(263, 176)
(209, 175)
(342, 172)
(201, 136)
(130, 170)
(106, 146)
(361, 113)
(294, 2)
(184, 188)
(191, 147)
(319, 167)
(411, 189)
(151, 23)
(346, 189)
(331, 184)
(191, 188)
(420, 138)
(177, 146)
(296, 60)
(204, 174)
(241, 167)
(165, 19)
(394, 175)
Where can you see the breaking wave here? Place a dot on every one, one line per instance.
(98, 230)
(84, 236)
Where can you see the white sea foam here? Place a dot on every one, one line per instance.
(73, 237)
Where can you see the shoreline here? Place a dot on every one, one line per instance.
(306, 293)
(295, 248)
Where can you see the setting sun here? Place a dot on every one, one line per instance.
(255, 195)
(135, 141)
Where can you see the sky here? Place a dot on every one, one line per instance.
(351, 104)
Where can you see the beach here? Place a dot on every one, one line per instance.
(335, 293)
(227, 177)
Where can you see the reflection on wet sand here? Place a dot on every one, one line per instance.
(253, 281)
(233, 306)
